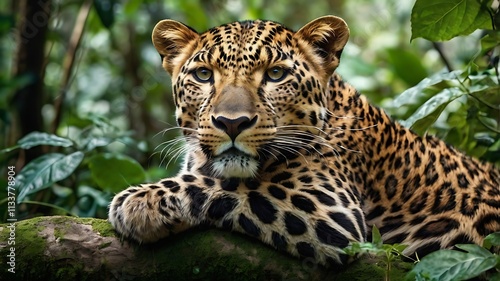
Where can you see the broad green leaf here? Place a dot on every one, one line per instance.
(39, 138)
(45, 171)
(414, 94)
(441, 20)
(475, 250)
(452, 265)
(431, 109)
(492, 239)
(104, 9)
(90, 142)
(115, 172)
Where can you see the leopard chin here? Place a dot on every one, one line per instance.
(234, 164)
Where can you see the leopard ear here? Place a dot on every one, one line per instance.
(328, 35)
(171, 38)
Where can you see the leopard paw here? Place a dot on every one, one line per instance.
(146, 213)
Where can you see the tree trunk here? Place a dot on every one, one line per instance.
(68, 248)
(29, 63)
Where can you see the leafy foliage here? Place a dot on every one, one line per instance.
(111, 172)
(460, 106)
(454, 265)
(390, 252)
(436, 20)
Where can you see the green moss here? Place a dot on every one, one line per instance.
(28, 245)
(100, 225)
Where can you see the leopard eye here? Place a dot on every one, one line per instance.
(203, 74)
(276, 74)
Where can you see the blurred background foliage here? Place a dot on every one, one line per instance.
(101, 90)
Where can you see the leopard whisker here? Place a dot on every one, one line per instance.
(270, 151)
(289, 147)
(354, 129)
(172, 152)
(330, 113)
(176, 148)
(164, 131)
(286, 127)
(348, 149)
(181, 151)
(316, 139)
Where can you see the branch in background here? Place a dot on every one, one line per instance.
(69, 60)
(439, 48)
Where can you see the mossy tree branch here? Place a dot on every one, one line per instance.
(68, 248)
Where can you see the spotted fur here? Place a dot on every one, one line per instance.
(280, 148)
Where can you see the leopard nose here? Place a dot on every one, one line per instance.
(233, 127)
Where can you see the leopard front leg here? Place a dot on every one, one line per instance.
(289, 220)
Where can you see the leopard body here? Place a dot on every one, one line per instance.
(280, 148)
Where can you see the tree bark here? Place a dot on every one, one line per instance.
(30, 62)
(68, 248)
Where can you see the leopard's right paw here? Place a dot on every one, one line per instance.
(145, 214)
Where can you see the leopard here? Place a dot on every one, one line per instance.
(280, 148)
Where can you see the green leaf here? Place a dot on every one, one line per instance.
(441, 20)
(376, 237)
(414, 94)
(46, 170)
(115, 172)
(452, 265)
(492, 239)
(104, 9)
(39, 138)
(475, 249)
(431, 109)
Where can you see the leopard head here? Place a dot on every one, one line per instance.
(250, 91)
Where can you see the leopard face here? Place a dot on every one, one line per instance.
(250, 90)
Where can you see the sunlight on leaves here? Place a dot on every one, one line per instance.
(39, 138)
